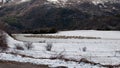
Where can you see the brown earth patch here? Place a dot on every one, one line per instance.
(10, 64)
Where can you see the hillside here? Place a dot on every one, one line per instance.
(62, 15)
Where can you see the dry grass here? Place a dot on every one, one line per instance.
(61, 37)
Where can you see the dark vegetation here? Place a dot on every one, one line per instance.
(41, 31)
(19, 47)
(27, 45)
(4, 27)
(3, 41)
(49, 46)
(3, 36)
(36, 17)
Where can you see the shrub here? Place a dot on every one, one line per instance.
(3, 41)
(84, 49)
(19, 47)
(43, 41)
(28, 45)
(49, 46)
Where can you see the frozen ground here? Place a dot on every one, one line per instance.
(105, 51)
(91, 33)
(104, 35)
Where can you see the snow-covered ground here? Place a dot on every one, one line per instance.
(113, 35)
(105, 51)
(91, 33)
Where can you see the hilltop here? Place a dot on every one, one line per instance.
(62, 15)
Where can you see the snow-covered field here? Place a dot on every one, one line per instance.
(91, 33)
(105, 51)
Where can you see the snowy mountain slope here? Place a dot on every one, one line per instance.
(110, 6)
(82, 1)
